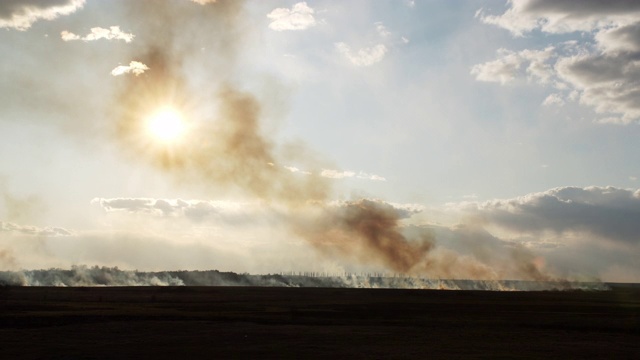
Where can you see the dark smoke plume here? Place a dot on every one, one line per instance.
(368, 231)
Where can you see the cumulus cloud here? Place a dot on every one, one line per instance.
(299, 17)
(607, 83)
(602, 71)
(562, 16)
(21, 14)
(363, 57)
(509, 65)
(553, 99)
(601, 212)
(112, 33)
(134, 67)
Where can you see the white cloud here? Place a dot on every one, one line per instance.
(15, 229)
(509, 64)
(69, 36)
(382, 30)
(134, 67)
(299, 17)
(204, 2)
(363, 57)
(336, 174)
(294, 169)
(373, 177)
(113, 33)
(21, 14)
(553, 99)
(602, 73)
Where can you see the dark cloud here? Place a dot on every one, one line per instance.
(580, 9)
(604, 212)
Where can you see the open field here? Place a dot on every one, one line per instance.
(251, 322)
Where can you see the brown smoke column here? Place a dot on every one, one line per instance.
(228, 149)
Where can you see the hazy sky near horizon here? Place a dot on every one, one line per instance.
(496, 125)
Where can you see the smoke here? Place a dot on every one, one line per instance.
(19, 208)
(368, 231)
(106, 276)
(7, 260)
(226, 147)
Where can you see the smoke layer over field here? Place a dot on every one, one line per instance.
(103, 276)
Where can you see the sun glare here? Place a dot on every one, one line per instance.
(166, 125)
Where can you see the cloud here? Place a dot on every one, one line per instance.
(382, 30)
(363, 175)
(367, 56)
(336, 174)
(562, 16)
(607, 83)
(15, 229)
(363, 57)
(204, 2)
(508, 66)
(294, 169)
(112, 33)
(21, 14)
(134, 67)
(553, 99)
(601, 212)
(69, 36)
(231, 212)
(602, 72)
(299, 17)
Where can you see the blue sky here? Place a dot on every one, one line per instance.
(502, 128)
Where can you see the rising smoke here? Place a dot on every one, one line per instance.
(228, 149)
(106, 276)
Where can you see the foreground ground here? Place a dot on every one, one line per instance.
(249, 322)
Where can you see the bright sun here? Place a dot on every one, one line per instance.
(166, 125)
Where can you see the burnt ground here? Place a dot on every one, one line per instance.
(303, 323)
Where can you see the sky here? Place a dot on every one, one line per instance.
(445, 139)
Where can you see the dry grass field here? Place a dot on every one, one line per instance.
(303, 323)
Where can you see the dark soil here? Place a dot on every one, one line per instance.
(303, 323)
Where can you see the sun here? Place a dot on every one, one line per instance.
(166, 125)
